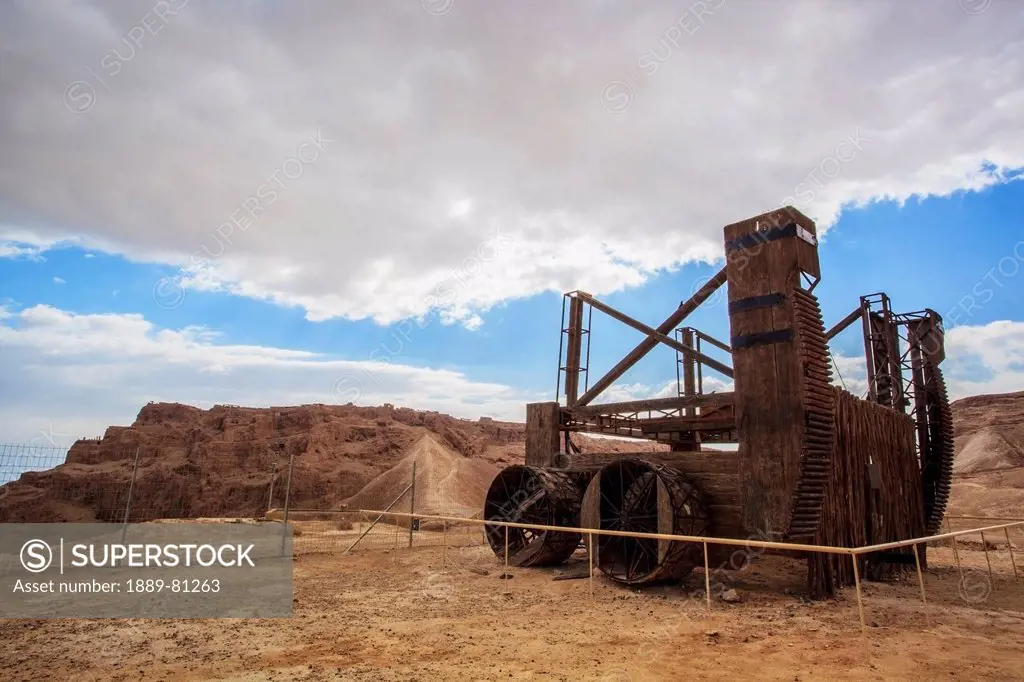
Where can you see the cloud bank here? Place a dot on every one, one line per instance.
(385, 160)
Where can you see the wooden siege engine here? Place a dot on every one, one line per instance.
(813, 463)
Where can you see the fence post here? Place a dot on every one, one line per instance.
(131, 489)
(287, 501)
(920, 576)
(412, 503)
(1009, 548)
(860, 599)
(956, 552)
(590, 559)
(707, 577)
(270, 496)
(984, 546)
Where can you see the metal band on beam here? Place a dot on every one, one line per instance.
(771, 234)
(756, 302)
(761, 339)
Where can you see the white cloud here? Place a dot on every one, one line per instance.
(13, 250)
(440, 130)
(980, 359)
(59, 280)
(81, 373)
(76, 374)
(994, 350)
(851, 373)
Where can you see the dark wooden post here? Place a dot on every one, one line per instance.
(542, 422)
(766, 256)
(573, 351)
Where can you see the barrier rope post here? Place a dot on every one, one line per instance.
(920, 576)
(956, 552)
(707, 577)
(590, 558)
(505, 576)
(1009, 548)
(984, 546)
(860, 598)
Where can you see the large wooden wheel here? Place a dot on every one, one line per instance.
(638, 496)
(533, 495)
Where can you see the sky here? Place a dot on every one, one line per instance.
(261, 203)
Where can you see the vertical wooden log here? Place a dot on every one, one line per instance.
(542, 422)
(689, 374)
(766, 256)
(573, 351)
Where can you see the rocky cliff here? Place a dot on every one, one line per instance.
(234, 461)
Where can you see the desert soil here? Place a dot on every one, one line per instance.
(387, 615)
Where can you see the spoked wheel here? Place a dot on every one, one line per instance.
(638, 496)
(531, 495)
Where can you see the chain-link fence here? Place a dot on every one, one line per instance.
(151, 482)
(16, 460)
(145, 483)
(134, 483)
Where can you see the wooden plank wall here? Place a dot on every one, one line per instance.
(855, 513)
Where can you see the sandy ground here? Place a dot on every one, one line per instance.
(387, 615)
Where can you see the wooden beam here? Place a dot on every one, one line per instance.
(712, 340)
(689, 369)
(843, 324)
(645, 346)
(574, 350)
(726, 397)
(662, 424)
(687, 351)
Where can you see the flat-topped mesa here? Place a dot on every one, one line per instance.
(153, 413)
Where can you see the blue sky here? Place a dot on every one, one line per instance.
(925, 253)
(202, 220)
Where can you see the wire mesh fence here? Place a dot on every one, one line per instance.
(16, 460)
(147, 482)
(43, 484)
(143, 482)
(133, 483)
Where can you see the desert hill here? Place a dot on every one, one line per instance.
(989, 466)
(447, 484)
(233, 461)
(221, 461)
(989, 432)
